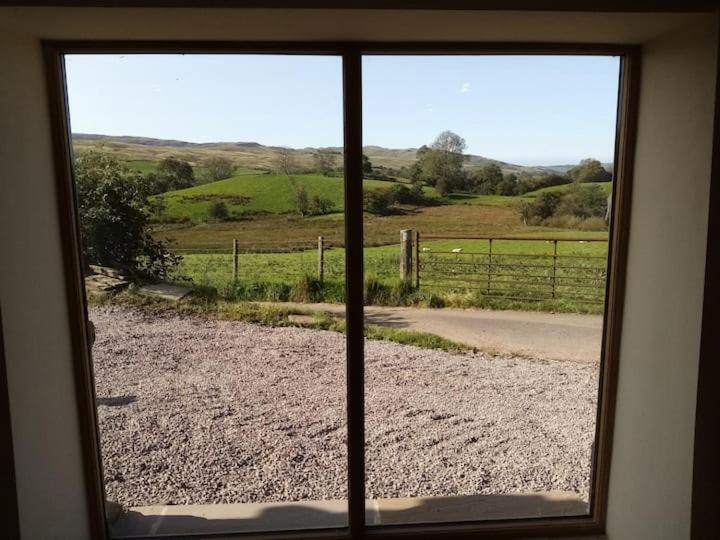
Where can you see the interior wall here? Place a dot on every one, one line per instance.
(651, 478)
(652, 453)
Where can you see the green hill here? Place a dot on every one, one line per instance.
(248, 194)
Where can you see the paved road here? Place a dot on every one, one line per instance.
(552, 336)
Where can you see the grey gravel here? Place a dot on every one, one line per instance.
(196, 411)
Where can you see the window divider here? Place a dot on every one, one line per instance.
(354, 281)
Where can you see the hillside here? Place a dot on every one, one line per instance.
(249, 194)
(252, 155)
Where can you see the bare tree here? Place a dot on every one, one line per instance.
(325, 161)
(285, 161)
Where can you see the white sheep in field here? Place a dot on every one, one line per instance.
(457, 250)
(426, 249)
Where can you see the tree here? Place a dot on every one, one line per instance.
(378, 201)
(508, 185)
(589, 170)
(285, 161)
(487, 179)
(325, 161)
(218, 168)
(301, 200)
(218, 211)
(441, 164)
(320, 206)
(176, 173)
(114, 212)
(583, 201)
(366, 165)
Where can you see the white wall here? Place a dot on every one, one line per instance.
(650, 491)
(652, 458)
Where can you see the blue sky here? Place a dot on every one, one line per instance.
(532, 110)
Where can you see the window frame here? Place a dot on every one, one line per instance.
(351, 54)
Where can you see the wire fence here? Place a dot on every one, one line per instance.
(511, 273)
(526, 269)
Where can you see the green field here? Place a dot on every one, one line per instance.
(275, 276)
(248, 194)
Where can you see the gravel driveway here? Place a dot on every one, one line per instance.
(196, 411)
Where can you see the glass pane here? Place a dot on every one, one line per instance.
(210, 197)
(487, 183)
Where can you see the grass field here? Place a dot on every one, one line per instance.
(287, 276)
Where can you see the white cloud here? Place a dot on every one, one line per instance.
(465, 88)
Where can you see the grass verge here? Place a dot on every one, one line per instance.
(204, 302)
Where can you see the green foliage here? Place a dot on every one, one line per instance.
(319, 206)
(378, 201)
(583, 201)
(441, 164)
(218, 211)
(508, 186)
(301, 200)
(366, 165)
(589, 170)
(488, 179)
(217, 168)
(570, 208)
(171, 174)
(114, 216)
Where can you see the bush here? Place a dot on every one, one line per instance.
(320, 206)
(115, 214)
(218, 168)
(218, 211)
(307, 289)
(583, 201)
(378, 201)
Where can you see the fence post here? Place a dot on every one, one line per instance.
(235, 259)
(406, 254)
(321, 259)
(417, 259)
(554, 267)
(489, 267)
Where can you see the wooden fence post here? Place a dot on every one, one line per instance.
(321, 259)
(554, 267)
(235, 259)
(406, 254)
(417, 259)
(489, 266)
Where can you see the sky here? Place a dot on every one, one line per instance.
(529, 110)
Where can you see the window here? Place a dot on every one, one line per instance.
(323, 429)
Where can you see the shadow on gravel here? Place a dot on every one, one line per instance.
(295, 516)
(116, 401)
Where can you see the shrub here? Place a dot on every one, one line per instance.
(320, 206)
(218, 211)
(218, 168)
(307, 289)
(115, 214)
(378, 201)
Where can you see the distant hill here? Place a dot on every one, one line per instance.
(253, 155)
(562, 169)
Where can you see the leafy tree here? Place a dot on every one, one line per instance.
(508, 185)
(325, 161)
(218, 211)
(176, 173)
(583, 202)
(367, 166)
(378, 201)
(218, 168)
(320, 206)
(440, 165)
(543, 207)
(487, 179)
(589, 170)
(285, 161)
(115, 213)
(301, 199)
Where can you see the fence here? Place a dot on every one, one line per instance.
(516, 268)
(506, 272)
